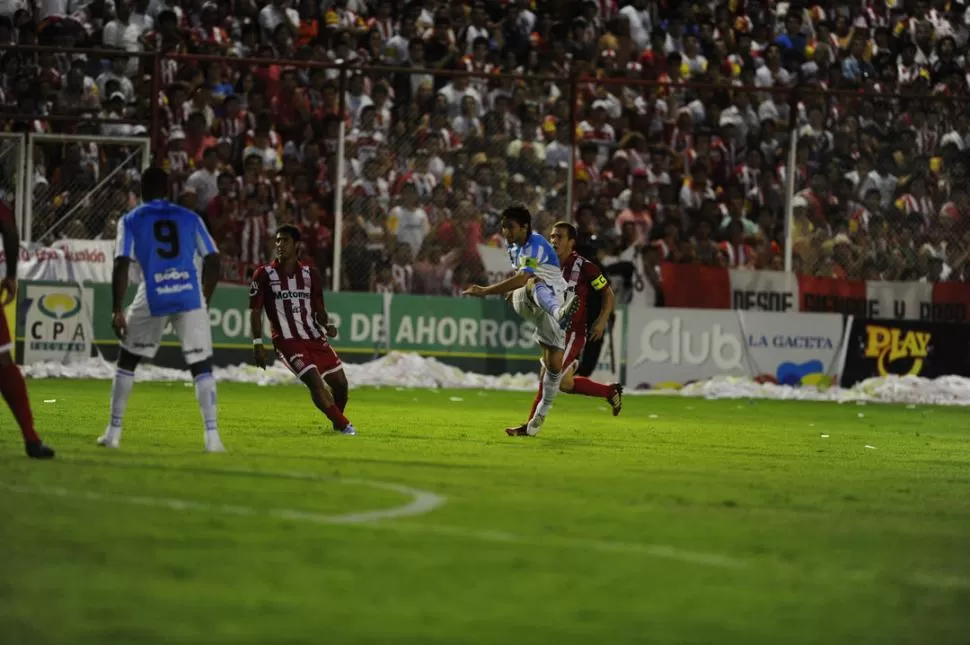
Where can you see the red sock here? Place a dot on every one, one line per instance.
(339, 420)
(535, 403)
(14, 391)
(586, 387)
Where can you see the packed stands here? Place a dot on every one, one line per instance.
(663, 129)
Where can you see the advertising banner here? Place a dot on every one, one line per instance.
(669, 347)
(793, 348)
(673, 347)
(764, 291)
(707, 287)
(86, 261)
(485, 336)
(900, 347)
(57, 323)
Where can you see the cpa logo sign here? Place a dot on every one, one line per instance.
(54, 327)
(889, 345)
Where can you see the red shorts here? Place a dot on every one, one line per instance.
(6, 340)
(301, 356)
(575, 342)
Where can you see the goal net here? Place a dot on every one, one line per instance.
(81, 184)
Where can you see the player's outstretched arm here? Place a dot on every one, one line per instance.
(509, 285)
(319, 307)
(256, 295)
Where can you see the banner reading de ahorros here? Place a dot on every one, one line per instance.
(706, 287)
(63, 322)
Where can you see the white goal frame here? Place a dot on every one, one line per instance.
(28, 182)
(20, 187)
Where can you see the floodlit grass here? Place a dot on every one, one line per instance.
(681, 521)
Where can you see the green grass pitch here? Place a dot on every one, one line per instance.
(681, 521)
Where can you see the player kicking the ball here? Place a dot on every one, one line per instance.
(291, 293)
(538, 295)
(164, 239)
(12, 385)
(581, 276)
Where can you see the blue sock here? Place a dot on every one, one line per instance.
(546, 298)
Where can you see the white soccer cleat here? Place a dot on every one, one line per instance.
(349, 431)
(569, 307)
(213, 443)
(110, 438)
(535, 424)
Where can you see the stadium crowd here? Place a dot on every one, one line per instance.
(683, 112)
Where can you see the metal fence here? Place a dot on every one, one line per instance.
(397, 175)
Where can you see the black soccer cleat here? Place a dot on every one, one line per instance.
(615, 398)
(37, 450)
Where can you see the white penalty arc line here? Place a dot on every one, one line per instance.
(421, 502)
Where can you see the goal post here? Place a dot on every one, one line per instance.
(76, 183)
(13, 162)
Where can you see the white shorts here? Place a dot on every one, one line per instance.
(145, 331)
(548, 331)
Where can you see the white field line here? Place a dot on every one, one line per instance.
(423, 502)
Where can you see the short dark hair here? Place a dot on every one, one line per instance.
(566, 226)
(290, 231)
(518, 214)
(154, 184)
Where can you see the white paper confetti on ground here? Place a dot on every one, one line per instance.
(413, 371)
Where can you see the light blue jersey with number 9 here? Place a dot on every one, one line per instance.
(164, 239)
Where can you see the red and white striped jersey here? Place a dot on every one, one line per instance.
(291, 301)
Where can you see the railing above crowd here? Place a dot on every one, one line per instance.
(397, 175)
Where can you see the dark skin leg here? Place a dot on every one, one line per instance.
(337, 381)
(318, 391)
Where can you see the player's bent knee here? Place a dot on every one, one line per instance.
(128, 361)
(566, 384)
(202, 367)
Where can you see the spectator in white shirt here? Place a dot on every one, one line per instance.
(205, 180)
(409, 222)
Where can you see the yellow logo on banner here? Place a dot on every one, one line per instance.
(888, 345)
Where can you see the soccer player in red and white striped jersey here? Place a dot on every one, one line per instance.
(291, 294)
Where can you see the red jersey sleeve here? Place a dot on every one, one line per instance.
(257, 289)
(594, 277)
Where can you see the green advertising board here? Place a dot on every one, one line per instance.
(483, 336)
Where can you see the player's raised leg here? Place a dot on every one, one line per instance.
(14, 391)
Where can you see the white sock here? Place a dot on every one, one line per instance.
(121, 387)
(205, 393)
(550, 387)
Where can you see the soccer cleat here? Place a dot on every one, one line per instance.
(213, 443)
(109, 439)
(535, 424)
(615, 398)
(567, 310)
(349, 431)
(517, 431)
(37, 450)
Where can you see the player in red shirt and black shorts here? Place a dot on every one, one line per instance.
(12, 385)
(291, 294)
(581, 276)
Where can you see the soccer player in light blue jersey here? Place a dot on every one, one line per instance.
(164, 239)
(538, 294)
